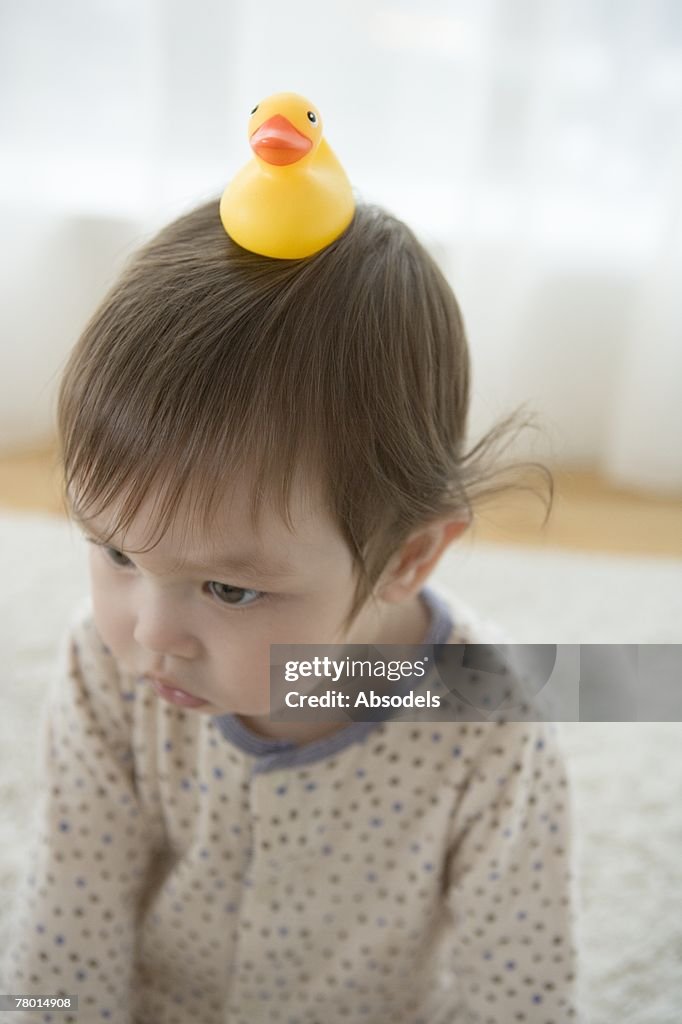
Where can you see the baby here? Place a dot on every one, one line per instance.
(268, 451)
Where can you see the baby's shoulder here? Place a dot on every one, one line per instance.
(469, 626)
(89, 678)
(473, 738)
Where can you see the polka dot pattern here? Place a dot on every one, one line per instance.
(419, 874)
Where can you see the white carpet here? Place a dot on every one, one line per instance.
(627, 777)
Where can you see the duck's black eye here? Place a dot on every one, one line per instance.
(312, 117)
(254, 109)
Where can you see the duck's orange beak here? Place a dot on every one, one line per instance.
(278, 142)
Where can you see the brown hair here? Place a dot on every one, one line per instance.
(205, 360)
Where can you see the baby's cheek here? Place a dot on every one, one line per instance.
(112, 613)
(249, 678)
(114, 624)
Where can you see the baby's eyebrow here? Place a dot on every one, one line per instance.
(251, 564)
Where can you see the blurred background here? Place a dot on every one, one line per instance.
(534, 145)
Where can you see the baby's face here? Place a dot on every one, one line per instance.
(201, 612)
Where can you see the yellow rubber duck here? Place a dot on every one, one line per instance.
(293, 198)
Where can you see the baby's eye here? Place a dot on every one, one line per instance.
(114, 555)
(234, 595)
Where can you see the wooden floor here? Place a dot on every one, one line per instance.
(588, 514)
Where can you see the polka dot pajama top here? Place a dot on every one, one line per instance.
(188, 871)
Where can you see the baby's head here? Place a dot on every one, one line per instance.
(280, 442)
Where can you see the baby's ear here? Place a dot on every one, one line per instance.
(409, 568)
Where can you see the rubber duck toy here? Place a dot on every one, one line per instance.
(293, 198)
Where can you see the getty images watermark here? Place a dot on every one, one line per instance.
(476, 682)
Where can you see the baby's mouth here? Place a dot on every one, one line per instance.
(174, 695)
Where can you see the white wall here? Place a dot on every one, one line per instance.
(535, 146)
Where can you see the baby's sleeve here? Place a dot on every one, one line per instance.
(77, 904)
(510, 883)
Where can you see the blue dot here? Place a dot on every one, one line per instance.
(537, 998)
(510, 965)
(456, 751)
(81, 883)
(168, 745)
(428, 866)
(435, 736)
(281, 790)
(217, 773)
(521, 915)
(64, 826)
(494, 876)
(283, 930)
(186, 784)
(397, 806)
(371, 876)
(487, 955)
(107, 837)
(540, 745)
(311, 785)
(537, 866)
(236, 829)
(40, 928)
(60, 940)
(230, 907)
(376, 822)
(128, 695)
(507, 832)
(361, 773)
(553, 828)
(327, 849)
